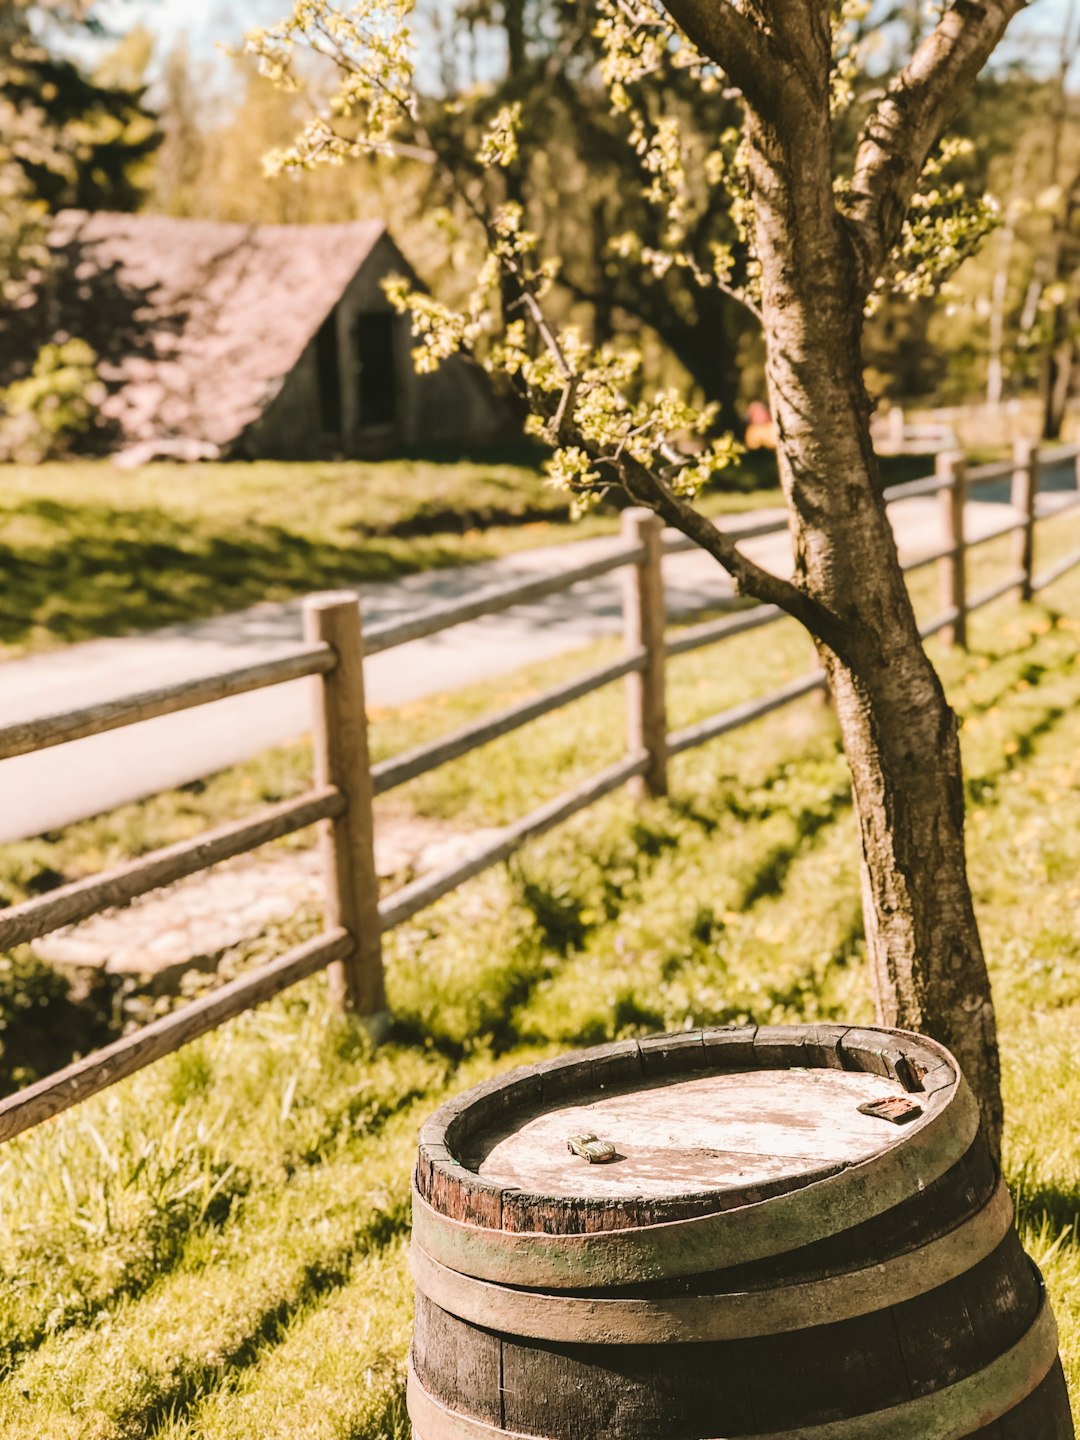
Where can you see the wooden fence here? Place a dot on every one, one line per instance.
(914, 428)
(345, 781)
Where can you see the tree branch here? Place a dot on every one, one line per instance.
(910, 119)
(734, 42)
(725, 25)
(647, 488)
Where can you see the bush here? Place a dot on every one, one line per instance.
(43, 415)
(46, 1021)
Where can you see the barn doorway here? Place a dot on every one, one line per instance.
(376, 371)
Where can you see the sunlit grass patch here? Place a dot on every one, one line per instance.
(336, 1370)
(91, 550)
(215, 1249)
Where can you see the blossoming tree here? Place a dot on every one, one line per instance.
(814, 248)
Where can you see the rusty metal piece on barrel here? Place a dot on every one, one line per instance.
(767, 1261)
(900, 1109)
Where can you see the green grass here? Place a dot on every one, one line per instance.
(215, 1248)
(87, 549)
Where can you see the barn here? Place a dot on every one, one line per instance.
(252, 341)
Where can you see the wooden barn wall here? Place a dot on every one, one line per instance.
(452, 406)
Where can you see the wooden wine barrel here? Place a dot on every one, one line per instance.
(769, 1255)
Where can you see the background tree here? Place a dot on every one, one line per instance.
(570, 175)
(1061, 257)
(944, 343)
(817, 247)
(67, 138)
(1006, 325)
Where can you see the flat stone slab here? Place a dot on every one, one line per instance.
(191, 924)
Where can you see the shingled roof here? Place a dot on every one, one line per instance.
(197, 323)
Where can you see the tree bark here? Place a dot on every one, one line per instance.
(1057, 378)
(899, 733)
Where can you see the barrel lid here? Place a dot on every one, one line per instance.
(737, 1143)
(696, 1133)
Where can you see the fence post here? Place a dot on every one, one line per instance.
(342, 759)
(951, 469)
(1025, 488)
(644, 625)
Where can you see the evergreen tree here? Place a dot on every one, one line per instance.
(67, 138)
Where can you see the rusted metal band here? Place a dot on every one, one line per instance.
(682, 1319)
(789, 1221)
(951, 1413)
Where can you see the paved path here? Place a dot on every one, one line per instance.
(55, 787)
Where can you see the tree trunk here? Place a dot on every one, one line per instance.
(1057, 379)
(899, 733)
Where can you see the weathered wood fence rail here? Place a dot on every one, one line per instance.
(345, 781)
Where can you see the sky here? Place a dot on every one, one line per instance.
(204, 22)
(207, 23)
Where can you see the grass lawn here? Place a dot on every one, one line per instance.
(88, 550)
(216, 1249)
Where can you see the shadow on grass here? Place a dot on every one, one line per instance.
(167, 1232)
(1044, 1206)
(772, 873)
(392, 1421)
(801, 996)
(163, 1239)
(567, 909)
(197, 1378)
(506, 993)
(982, 789)
(47, 1020)
(111, 573)
(359, 1114)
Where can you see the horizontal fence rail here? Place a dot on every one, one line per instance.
(492, 600)
(713, 631)
(995, 470)
(25, 736)
(911, 489)
(83, 898)
(413, 898)
(346, 781)
(1063, 566)
(123, 1057)
(388, 774)
(740, 715)
(996, 591)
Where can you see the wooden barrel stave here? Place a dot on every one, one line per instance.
(479, 1379)
(678, 1313)
(829, 1370)
(1044, 1415)
(950, 1201)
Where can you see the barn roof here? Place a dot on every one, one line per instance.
(197, 322)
